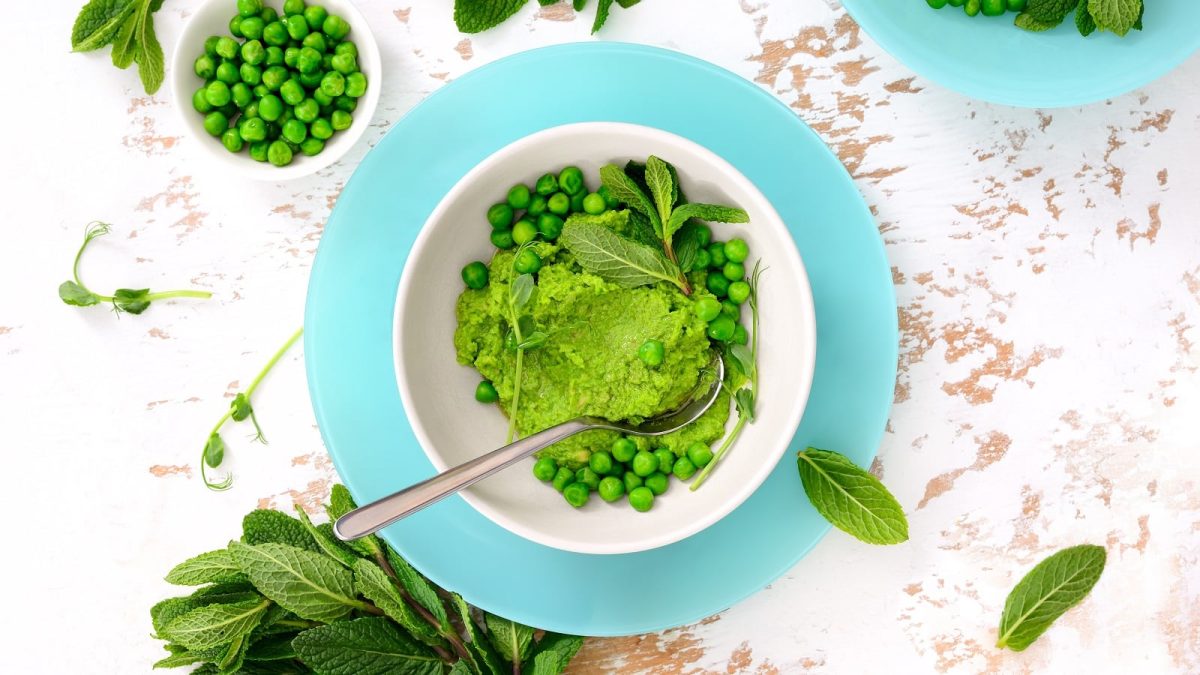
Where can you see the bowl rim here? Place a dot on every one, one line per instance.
(804, 305)
(217, 156)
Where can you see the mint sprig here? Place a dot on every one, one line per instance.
(296, 607)
(475, 16)
(1117, 16)
(127, 25)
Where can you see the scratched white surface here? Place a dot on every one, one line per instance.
(1047, 266)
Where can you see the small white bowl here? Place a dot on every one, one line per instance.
(438, 393)
(212, 18)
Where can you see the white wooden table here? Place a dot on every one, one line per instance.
(1047, 266)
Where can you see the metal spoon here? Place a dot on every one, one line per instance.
(379, 514)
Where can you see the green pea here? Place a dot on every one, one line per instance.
(315, 41)
(311, 80)
(722, 328)
(739, 291)
(546, 185)
(518, 196)
(1017, 5)
(972, 7)
(270, 107)
(610, 200)
(500, 216)
(699, 454)
(740, 335)
(708, 307)
(570, 180)
(241, 95)
(563, 478)
(936, 4)
(657, 482)
(228, 73)
(258, 151)
(210, 45)
(200, 102)
(346, 103)
(588, 477)
(611, 489)
(307, 110)
(347, 48)
(577, 494)
(252, 28)
(993, 7)
(249, 7)
(601, 462)
(294, 131)
(344, 63)
(731, 309)
(644, 463)
(205, 67)
(232, 140)
(335, 27)
(559, 204)
(577, 201)
(253, 129)
(527, 262)
(524, 231)
(215, 123)
(274, 77)
(641, 499)
(502, 239)
(235, 25)
(543, 469)
(293, 7)
(537, 205)
(226, 47)
(275, 34)
(356, 85)
(666, 459)
(340, 120)
(217, 94)
(250, 74)
(321, 129)
(309, 60)
(683, 469)
(253, 52)
(632, 481)
(312, 146)
(623, 450)
(268, 15)
(703, 235)
(550, 226)
(736, 250)
(651, 353)
(701, 260)
(292, 92)
(290, 56)
(716, 253)
(593, 204)
(273, 56)
(315, 16)
(297, 27)
(475, 275)
(717, 284)
(734, 271)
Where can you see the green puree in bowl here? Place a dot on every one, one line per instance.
(589, 364)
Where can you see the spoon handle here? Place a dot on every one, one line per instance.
(379, 514)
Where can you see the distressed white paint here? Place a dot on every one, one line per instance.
(1081, 329)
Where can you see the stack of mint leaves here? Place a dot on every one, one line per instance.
(289, 597)
(1118, 16)
(127, 25)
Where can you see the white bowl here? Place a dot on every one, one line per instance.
(212, 18)
(438, 393)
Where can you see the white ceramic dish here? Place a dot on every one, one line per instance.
(211, 17)
(438, 393)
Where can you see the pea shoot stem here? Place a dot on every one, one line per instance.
(274, 359)
(512, 414)
(97, 229)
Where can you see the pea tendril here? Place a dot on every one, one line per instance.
(239, 410)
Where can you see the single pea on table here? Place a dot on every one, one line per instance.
(288, 86)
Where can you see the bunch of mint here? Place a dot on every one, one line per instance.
(1118, 16)
(289, 597)
(476, 16)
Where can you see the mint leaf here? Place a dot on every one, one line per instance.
(370, 646)
(149, 54)
(552, 654)
(851, 499)
(341, 503)
(578, 5)
(1118, 16)
(486, 658)
(614, 258)
(709, 212)
(1027, 22)
(687, 242)
(624, 189)
(1053, 586)
(215, 624)
(473, 16)
(74, 294)
(419, 588)
(601, 15)
(207, 568)
(326, 541)
(98, 23)
(662, 189)
(272, 648)
(1050, 11)
(371, 582)
(1083, 20)
(513, 640)
(124, 45)
(178, 659)
(267, 526)
(312, 586)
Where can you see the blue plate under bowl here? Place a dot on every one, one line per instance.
(991, 59)
(348, 337)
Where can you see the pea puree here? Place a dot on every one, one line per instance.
(589, 365)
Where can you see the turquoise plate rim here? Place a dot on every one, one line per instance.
(1148, 55)
(348, 320)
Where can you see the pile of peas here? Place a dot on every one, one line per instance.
(288, 86)
(537, 214)
(623, 471)
(986, 7)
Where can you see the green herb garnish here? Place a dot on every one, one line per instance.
(1117, 16)
(291, 598)
(127, 25)
(474, 16)
(134, 301)
(1053, 586)
(851, 498)
(239, 410)
(524, 333)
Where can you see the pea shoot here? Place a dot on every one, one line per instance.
(239, 411)
(523, 333)
(134, 301)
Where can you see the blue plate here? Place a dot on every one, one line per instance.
(348, 337)
(991, 59)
